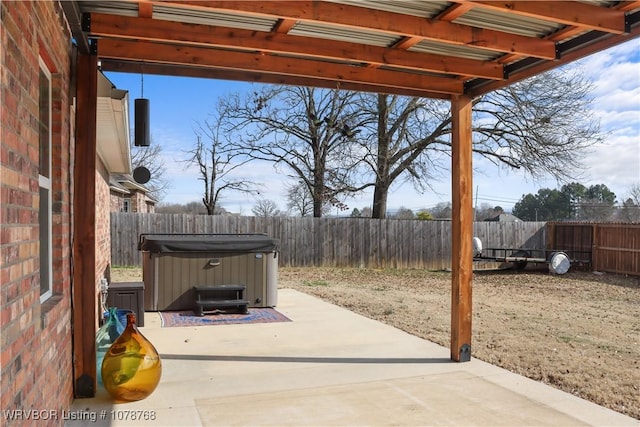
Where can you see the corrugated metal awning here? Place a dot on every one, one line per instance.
(384, 46)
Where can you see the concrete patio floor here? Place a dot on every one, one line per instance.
(329, 367)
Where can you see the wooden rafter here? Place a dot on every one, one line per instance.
(406, 43)
(145, 10)
(284, 26)
(455, 11)
(628, 6)
(571, 13)
(540, 67)
(123, 27)
(384, 22)
(252, 76)
(198, 56)
(415, 62)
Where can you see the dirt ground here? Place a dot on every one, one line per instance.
(579, 332)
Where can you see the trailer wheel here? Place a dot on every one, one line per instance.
(559, 263)
(520, 265)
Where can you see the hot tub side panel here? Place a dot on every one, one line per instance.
(272, 279)
(149, 279)
(177, 273)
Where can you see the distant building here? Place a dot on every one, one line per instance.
(504, 217)
(127, 195)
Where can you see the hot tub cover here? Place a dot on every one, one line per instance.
(164, 243)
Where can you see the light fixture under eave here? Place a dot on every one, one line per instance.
(141, 113)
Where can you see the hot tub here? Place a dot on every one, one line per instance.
(172, 264)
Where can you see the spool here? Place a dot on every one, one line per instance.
(559, 263)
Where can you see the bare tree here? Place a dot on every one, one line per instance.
(634, 194)
(366, 212)
(265, 208)
(542, 125)
(307, 132)
(299, 199)
(191, 208)
(441, 210)
(151, 158)
(361, 213)
(404, 213)
(393, 141)
(217, 162)
(338, 143)
(630, 209)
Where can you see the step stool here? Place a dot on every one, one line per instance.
(211, 298)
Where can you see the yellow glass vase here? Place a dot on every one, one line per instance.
(131, 368)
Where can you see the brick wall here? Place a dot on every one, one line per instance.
(138, 201)
(35, 338)
(117, 201)
(103, 224)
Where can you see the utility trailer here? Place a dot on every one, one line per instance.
(559, 261)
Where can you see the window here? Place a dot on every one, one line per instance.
(44, 180)
(126, 205)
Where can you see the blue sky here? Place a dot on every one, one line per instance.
(178, 104)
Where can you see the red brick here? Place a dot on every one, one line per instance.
(29, 28)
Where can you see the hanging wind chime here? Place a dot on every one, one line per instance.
(141, 111)
(142, 135)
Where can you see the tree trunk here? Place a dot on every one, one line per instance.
(381, 189)
(318, 196)
(210, 208)
(380, 194)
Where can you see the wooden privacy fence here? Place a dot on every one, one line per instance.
(614, 248)
(340, 242)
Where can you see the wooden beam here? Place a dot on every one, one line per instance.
(406, 43)
(567, 32)
(122, 27)
(571, 13)
(628, 6)
(283, 26)
(454, 12)
(385, 22)
(258, 62)
(255, 77)
(462, 229)
(145, 10)
(599, 45)
(84, 219)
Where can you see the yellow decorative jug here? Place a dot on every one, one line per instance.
(131, 368)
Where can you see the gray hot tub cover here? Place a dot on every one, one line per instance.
(163, 243)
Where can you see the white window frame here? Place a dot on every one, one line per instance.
(126, 204)
(44, 183)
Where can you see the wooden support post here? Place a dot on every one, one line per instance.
(462, 229)
(84, 236)
(595, 244)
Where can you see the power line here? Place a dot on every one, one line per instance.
(497, 199)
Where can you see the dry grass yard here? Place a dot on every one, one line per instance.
(579, 332)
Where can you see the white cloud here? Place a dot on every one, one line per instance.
(616, 163)
(619, 100)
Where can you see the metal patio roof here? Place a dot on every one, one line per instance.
(426, 48)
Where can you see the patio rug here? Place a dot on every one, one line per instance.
(188, 318)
